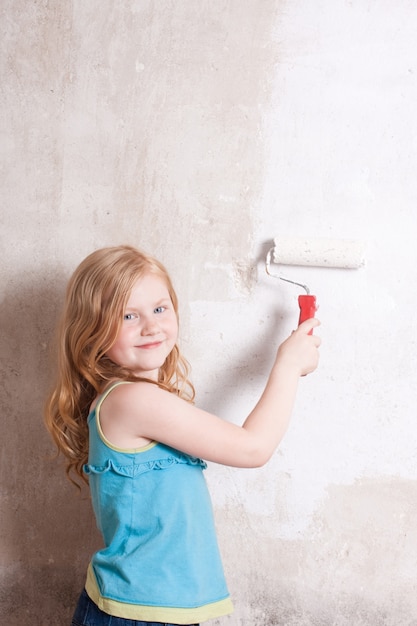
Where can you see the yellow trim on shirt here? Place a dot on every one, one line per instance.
(155, 613)
(102, 436)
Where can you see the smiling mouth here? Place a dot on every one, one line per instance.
(150, 346)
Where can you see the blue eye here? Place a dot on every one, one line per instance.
(159, 309)
(130, 317)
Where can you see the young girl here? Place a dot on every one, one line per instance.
(122, 413)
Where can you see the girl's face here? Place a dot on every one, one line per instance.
(149, 329)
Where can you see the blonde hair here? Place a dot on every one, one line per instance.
(96, 298)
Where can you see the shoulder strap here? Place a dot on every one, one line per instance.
(108, 390)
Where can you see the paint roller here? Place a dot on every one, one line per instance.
(336, 253)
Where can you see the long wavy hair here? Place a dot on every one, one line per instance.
(96, 298)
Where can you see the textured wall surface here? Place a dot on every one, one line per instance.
(199, 131)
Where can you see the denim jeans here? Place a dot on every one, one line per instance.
(88, 614)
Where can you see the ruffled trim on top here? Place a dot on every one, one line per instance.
(136, 469)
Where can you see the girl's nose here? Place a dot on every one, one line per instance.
(150, 326)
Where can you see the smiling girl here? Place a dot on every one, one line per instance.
(122, 413)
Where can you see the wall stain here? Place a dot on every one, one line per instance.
(355, 564)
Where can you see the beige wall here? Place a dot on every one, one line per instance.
(199, 131)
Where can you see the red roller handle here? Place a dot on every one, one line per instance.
(307, 308)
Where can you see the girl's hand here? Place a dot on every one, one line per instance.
(300, 350)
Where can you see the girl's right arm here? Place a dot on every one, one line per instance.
(143, 410)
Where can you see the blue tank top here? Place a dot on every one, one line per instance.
(160, 561)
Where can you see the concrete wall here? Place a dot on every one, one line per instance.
(198, 131)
